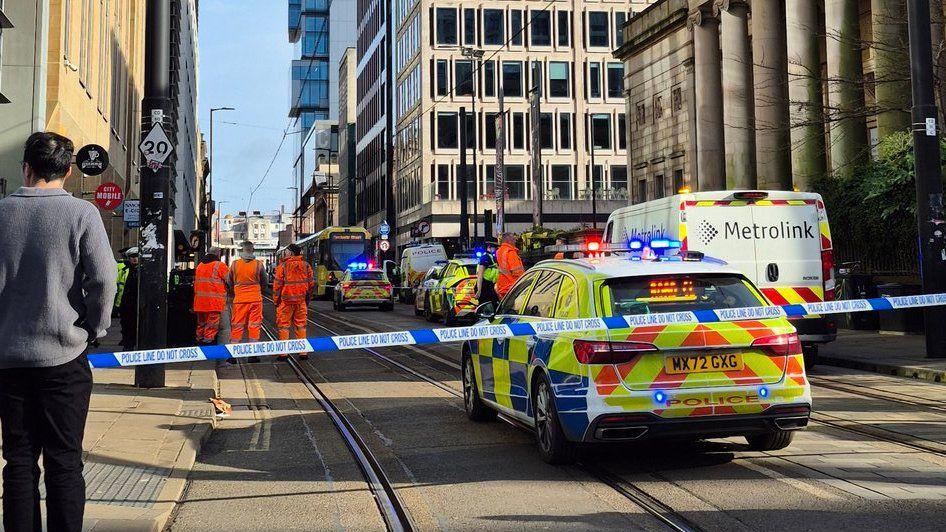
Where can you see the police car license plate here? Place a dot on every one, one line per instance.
(703, 363)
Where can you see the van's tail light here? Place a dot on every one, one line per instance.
(827, 274)
(780, 344)
(346, 285)
(388, 287)
(604, 352)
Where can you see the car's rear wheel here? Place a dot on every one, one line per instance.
(554, 447)
(341, 304)
(417, 311)
(387, 307)
(810, 354)
(448, 317)
(770, 441)
(475, 408)
(428, 313)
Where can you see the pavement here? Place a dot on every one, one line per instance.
(140, 444)
(902, 355)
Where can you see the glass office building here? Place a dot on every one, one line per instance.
(309, 30)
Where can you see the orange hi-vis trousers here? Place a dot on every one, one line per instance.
(208, 325)
(247, 316)
(292, 316)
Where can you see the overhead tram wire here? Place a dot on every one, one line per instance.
(479, 64)
(286, 131)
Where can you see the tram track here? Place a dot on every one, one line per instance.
(653, 506)
(393, 511)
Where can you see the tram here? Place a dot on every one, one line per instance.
(331, 251)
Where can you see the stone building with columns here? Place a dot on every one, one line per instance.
(768, 94)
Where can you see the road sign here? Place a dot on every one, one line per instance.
(109, 195)
(423, 227)
(384, 229)
(384, 245)
(132, 214)
(156, 147)
(92, 159)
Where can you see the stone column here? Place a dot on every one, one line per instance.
(709, 97)
(770, 78)
(891, 65)
(737, 87)
(804, 91)
(847, 126)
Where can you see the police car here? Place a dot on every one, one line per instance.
(687, 380)
(363, 287)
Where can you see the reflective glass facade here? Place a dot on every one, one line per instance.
(309, 30)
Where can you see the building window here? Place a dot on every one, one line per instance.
(619, 20)
(658, 186)
(447, 130)
(446, 25)
(642, 190)
(489, 78)
(676, 99)
(546, 131)
(469, 26)
(518, 131)
(622, 131)
(489, 181)
(594, 80)
(641, 118)
(565, 131)
(601, 131)
(598, 29)
(615, 80)
(494, 26)
(541, 28)
(537, 77)
(463, 76)
(470, 130)
(597, 182)
(442, 77)
(512, 78)
(559, 82)
(490, 130)
(470, 180)
(515, 27)
(564, 28)
(561, 186)
(619, 178)
(677, 180)
(443, 181)
(516, 181)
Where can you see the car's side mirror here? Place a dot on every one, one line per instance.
(486, 311)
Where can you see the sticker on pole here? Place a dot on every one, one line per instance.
(108, 196)
(132, 214)
(156, 147)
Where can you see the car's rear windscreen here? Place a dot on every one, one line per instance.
(367, 276)
(676, 293)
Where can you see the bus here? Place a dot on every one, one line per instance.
(331, 251)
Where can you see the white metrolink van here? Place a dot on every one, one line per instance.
(780, 240)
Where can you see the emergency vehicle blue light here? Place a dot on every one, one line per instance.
(763, 392)
(663, 243)
(635, 245)
(660, 397)
(479, 254)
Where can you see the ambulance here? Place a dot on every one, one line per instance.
(780, 240)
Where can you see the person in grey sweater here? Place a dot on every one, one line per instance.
(57, 287)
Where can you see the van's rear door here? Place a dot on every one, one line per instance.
(715, 228)
(788, 247)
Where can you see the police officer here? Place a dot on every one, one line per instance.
(129, 260)
(486, 275)
(509, 263)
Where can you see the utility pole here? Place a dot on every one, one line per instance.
(591, 173)
(155, 191)
(499, 173)
(536, 163)
(390, 191)
(462, 182)
(476, 57)
(931, 220)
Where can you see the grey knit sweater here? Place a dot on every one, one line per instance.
(57, 277)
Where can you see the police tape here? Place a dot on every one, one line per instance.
(507, 330)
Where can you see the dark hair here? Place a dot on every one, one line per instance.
(48, 154)
(294, 249)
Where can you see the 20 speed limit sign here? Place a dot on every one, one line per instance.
(156, 147)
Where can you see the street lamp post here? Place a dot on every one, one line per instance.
(591, 173)
(217, 228)
(295, 209)
(210, 181)
(475, 55)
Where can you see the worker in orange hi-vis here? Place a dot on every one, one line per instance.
(210, 295)
(509, 264)
(246, 279)
(292, 289)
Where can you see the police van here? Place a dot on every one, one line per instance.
(780, 240)
(415, 262)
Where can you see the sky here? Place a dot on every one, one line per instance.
(244, 63)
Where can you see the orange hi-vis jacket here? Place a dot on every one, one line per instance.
(510, 268)
(210, 288)
(294, 280)
(246, 278)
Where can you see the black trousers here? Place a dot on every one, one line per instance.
(43, 412)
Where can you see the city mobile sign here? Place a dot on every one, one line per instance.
(109, 195)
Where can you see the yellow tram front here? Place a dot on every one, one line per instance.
(333, 250)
